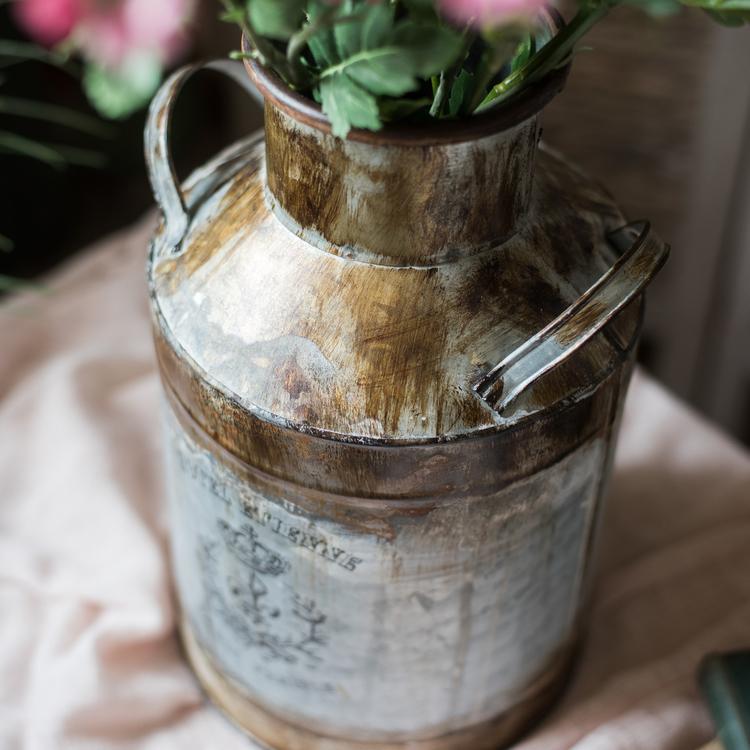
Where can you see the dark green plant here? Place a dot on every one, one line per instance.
(368, 62)
(55, 155)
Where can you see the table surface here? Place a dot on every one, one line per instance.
(88, 652)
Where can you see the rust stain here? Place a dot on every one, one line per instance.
(645, 264)
(160, 117)
(427, 473)
(581, 323)
(413, 204)
(408, 324)
(239, 210)
(294, 379)
(263, 724)
(389, 347)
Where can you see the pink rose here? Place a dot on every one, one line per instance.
(48, 21)
(491, 12)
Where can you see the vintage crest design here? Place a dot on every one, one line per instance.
(275, 620)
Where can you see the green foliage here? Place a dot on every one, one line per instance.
(726, 12)
(461, 93)
(368, 62)
(64, 116)
(366, 54)
(116, 94)
(58, 156)
(348, 105)
(277, 19)
(359, 59)
(657, 8)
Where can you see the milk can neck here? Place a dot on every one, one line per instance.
(399, 202)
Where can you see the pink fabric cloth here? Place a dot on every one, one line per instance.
(89, 659)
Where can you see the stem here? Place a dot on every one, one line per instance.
(440, 94)
(52, 113)
(18, 144)
(298, 41)
(492, 63)
(55, 155)
(15, 52)
(267, 54)
(549, 57)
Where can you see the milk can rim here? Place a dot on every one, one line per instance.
(528, 103)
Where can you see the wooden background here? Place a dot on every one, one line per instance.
(659, 112)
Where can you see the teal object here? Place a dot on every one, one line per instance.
(725, 683)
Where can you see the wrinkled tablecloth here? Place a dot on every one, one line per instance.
(89, 657)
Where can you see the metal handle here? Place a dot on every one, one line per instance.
(643, 254)
(161, 171)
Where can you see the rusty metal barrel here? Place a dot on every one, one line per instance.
(393, 368)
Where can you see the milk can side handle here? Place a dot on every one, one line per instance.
(161, 171)
(643, 254)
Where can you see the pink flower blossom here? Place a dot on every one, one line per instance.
(492, 13)
(108, 32)
(111, 32)
(48, 21)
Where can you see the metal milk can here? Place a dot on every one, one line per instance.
(394, 367)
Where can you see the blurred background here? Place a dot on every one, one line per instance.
(659, 111)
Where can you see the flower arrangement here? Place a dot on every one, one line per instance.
(368, 62)
(125, 44)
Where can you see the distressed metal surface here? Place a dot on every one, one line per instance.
(643, 255)
(399, 204)
(368, 555)
(161, 171)
(378, 351)
(443, 625)
(276, 731)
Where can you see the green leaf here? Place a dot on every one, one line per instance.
(348, 36)
(430, 47)
(322, 44)
(391, 69)
(348, 105)
(377, 26)
(725, 12)
(15, 51)
(119, 93)
(729, 18)
(390, 75)
(277, 19)
(52, 154)
(656, 8)
(499, 49)
(51, 113)
(461, 92)
(556, 52)
(82, 157)
(525, 50)
(12, 143)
